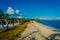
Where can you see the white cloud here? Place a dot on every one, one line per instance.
(19, 17)
(10, 10)
(17, 11)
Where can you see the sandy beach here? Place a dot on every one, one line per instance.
(37, 31)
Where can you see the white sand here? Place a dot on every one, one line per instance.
(42, 31)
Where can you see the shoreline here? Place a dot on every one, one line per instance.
(50, 27)
(41, 26)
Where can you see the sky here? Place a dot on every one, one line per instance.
(44, 9)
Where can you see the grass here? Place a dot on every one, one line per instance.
(12, 33)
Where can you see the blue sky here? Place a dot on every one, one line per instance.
(32, 8)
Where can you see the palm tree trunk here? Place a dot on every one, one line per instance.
(13, 23)
(21, 20)
(6, 24)
(18, 22)
(2, 24)
(10, 21)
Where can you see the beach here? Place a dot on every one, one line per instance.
(37, 31)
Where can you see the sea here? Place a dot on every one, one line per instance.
(51, 23)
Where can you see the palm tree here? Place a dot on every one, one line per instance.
(19, 20)
(2, 17)
(13, 22)
(6, 17)
(1, 14)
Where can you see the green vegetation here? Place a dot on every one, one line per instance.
(31, 19)
(11, 34)
(35, 19)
